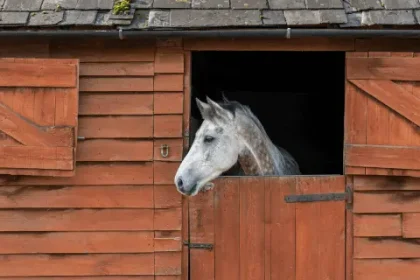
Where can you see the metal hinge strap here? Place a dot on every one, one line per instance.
(206, 246)
(320, 197)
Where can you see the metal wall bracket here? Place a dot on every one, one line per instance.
(206, 246)
(347, 196)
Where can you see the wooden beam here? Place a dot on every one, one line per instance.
(383, 68)
(30, 134)
(386, 248)
(377, 225)
(386, 269)
(382, 156)
(28, 157)
(39, 73)
(293, 44)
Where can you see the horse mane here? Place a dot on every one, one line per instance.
(234, 106)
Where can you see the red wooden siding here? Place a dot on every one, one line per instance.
(386, 227)
(257, 235)
(382, 119)
(38, 108)
(119, 216)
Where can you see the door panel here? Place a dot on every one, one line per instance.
(257, 235)
(382, 114)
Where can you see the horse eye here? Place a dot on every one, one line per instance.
(208, 139)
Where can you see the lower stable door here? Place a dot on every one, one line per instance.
(264, 228)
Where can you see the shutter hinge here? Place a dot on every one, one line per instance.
(347, 196)
(206, 246)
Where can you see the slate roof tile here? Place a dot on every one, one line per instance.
(140, 20)
(332, 16)
(155, 14)
(45, 18)
(401, 4)
(171, 4)
(402, 17)
(210, 4)
(314, 17)
(94, 4)
(363, 5)
(248, 4)
(210, 18)
(297, 17)
(13, 18)
(353, 20)
(105, 4)
(22, 5)
(141, 4)
(103, 19)
(77, 17)
(271, 17)
(287, 4)
(324, 4)
(54, 4)
(158, 18)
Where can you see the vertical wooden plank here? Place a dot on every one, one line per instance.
(186, 119)
(187, 99)
(201, 214)
(355, 116)
(415, 133)
(252, 228)
(349, 237)
(65, 107)
(399, 129)
(268, 227)
(356, 113)
(185, 233)
(307, 233)
(280, 230)
(320, 228)
(24, 102)
(378, 116)
(44, 110)
(8, 96)
(17, 101)
(227, 229)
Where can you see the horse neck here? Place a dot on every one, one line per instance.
(256, 157)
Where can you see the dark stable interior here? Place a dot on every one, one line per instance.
(297, 96)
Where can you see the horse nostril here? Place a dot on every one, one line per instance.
(180, 183)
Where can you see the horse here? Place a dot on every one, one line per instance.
(230, 135)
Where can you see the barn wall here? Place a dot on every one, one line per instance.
(386, 228)
(120, 214)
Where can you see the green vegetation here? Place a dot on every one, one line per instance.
(121, 7)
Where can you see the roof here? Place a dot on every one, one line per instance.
(204, 14)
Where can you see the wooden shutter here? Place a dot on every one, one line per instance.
(38, 116)
(382, 114)
(255, 234)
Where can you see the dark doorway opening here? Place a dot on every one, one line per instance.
(297, 96)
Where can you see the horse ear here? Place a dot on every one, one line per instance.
(218, 110)
(204, 108)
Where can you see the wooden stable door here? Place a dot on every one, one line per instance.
(244, 229)
(382, 135)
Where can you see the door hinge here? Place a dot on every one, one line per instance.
(347, 196)
(206, 246)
